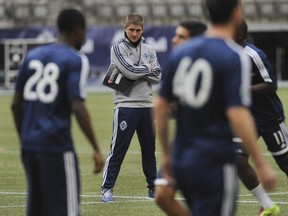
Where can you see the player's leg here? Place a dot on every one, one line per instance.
(61, 184)
(146, 136)
(250, 180)
(165, 198)
(246, 173)
(124, 124)
(276, 140)
(34, 200)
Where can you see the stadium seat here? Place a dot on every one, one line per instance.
(22, 11)
(267, 9)
(156, 12)
(159, 10)
(21, 2)
(88, 3)
(143, 9)
(159, 13)
(122, 10)
(177, 10)
(40, 11)
(283, 8)
(2, 11)
(195, 10)
(251, 10)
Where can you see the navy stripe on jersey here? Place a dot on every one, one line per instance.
(259, 63)
(246, 78)
(122, 60)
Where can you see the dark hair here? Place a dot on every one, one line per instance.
(193, 26)
(219, 11)
(241, 33)
(70, 18)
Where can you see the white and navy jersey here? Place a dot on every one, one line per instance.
(132, 62)
(206, 77)
(265, 107)
(51, 77)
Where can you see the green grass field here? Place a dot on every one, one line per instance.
(130, 190)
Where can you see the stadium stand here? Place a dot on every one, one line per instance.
(263, 16)
(17, 13)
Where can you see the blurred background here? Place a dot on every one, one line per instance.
(25, 24)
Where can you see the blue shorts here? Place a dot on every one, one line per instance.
(209, 185)
(53, 183)
(275, 136)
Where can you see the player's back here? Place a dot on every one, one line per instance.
(266, 107)
(50, 79)
(208, 80)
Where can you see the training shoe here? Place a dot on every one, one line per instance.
(151, 193)
(273, 211)
(107, 196)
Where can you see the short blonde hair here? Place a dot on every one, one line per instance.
(135, 19)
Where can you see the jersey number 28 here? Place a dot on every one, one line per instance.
(185, 80)
(44, 76)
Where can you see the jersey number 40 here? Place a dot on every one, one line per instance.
(44, 77)
(186, 78)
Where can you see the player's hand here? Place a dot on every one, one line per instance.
(99, 162)
(167, 172)
(267, 177)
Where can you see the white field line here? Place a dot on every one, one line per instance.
(4, 151)
(127, 197)
(271, 194)
(132, 199)
(11, 151)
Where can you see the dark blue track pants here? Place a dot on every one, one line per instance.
(126, 122)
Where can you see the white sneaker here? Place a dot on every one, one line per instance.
(107, 196)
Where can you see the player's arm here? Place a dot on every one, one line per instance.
(162, 109)
(16, 108)
(155, 70)
(152, 79)
(18, 100)
(263, 88)
(121, 59)
(83, 120)
(264, 72)
(244, 127)
(76, 82)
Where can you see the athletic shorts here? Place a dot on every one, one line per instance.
(275, 136)
(208, 184)
(53, 183)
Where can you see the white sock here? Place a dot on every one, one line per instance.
(262, 197)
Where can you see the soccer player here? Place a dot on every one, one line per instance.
(137, 61)
(269, 116)
(186, 30)
(165, 190)
(209, 78)
(49, 88)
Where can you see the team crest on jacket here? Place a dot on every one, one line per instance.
(146, 56)
(123, 125)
